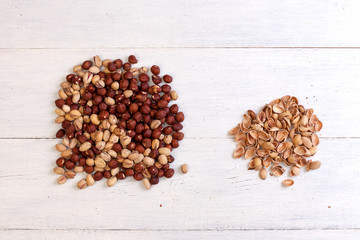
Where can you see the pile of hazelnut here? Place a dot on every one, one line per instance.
(117, 123)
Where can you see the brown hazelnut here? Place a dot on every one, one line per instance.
(103, 115)
(133, 108)
(88, 169)
(174, 109)
(138, 176)
(118, 63)
(155, 69)
(166, 89)
(121, 175)
(129, 172)
(60, 162)
(59, 103)
(60, 133)
(154, 180)
(69, 164)
(169, 173)
(138, 168)
(177, 126)
(98, 176)
(167, 78)
(128, 76)
(179, 117)
(153, 170)
(127, 66)
(111, 66)
(113, 164)
(87, 64)
(132, 59)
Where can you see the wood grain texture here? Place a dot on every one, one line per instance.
(215, 86)
(226, 57)
(218, 193)
(175, 235)
(161, 23)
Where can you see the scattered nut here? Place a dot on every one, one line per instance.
(184, 168)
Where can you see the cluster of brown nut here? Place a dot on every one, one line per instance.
(116, 123)
(282, 132)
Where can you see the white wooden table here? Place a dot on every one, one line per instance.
(226, 57)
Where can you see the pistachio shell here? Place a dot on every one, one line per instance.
(239, 152)
(314, 139)
(254, 134)
(263, 135)
(267, 161)
(240, 137)
(281, 148)
(278, 108)
(295, 171)
(288, 182)
(234, 131)
(277, 170)
(312, 151)
(302, 151)
(268, 145)
(250, 152)
(297, 140)
(308, 163)
(281, 135)
(315, 165)
(262, 153)
(307, 142)
(318, 126)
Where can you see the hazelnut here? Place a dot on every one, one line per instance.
(167, 78)
(132, 59)
(155, 69)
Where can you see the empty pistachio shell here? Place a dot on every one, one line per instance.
(288, 182)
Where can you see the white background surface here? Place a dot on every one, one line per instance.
(225, 57)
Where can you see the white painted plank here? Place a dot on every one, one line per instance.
(218, 193)
(174, 235)
(161, 23)
(215, 86)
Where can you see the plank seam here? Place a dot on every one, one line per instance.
(177, 230)
(183, 47)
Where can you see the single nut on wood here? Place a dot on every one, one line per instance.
(263, 173)
(82, 184)
(61, 180)
(288, 182)
(146, 183)
(184, 168)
